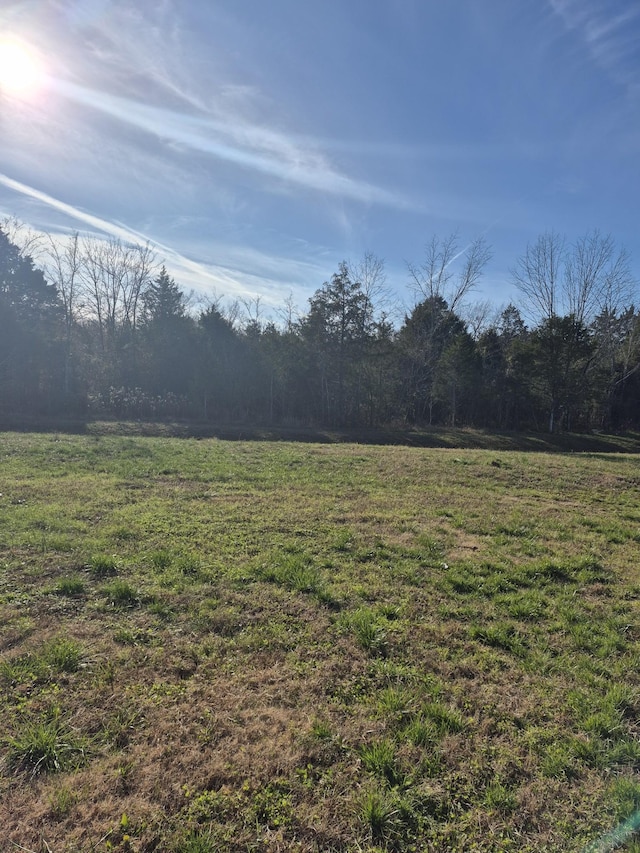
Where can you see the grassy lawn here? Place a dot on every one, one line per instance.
(250, 646)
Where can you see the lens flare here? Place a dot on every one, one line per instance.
(21, 71)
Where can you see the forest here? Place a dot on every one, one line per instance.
(93, 328)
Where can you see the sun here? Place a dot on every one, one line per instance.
(21, 71)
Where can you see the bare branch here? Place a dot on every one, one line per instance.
(537, 276)
(25, 238)
(289, 313)
(477, 256)
(252, 309)
(430, 279)
(372, 278)
(436, 279)
(480, 316)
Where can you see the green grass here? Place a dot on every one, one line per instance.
(322, 647)
(60, 655)
(380, 758)
(120, 593)
(71, 586)
(44, 746)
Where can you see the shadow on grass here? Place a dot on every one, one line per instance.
(437, 437)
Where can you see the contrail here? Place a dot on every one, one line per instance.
(198, 274)
(112, 228)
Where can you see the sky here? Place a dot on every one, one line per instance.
(257, 145)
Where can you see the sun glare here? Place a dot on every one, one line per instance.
(21, 72)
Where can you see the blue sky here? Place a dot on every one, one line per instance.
(259, 144)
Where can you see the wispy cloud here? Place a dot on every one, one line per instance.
(189, 97)
(611, 36)
(233, 140)
(191, 100)
(241, 273)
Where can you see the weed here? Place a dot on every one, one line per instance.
(380, 758)
(606, 724)
(499, 797)
(559, 761)
(103, 566)
(63, 655)
(60, 543)
(500, 635)
(272, 805)
(422, 731)
(56, 656)
(124, 777)
(124, 534)
(120, 594)
(161, 609)
(296, 572)
(207, 806)
(446, 720)
(431, 551)
(370, 631)
(624, 796)
(624, 752)
(61, 802)
(321, 730)
(44, 746)
(624, 699)
(71, 586)
(105, 673)
(188, 565)
(395, 703)
(122, 724)
(344, 540)
(197, 841)
(527, 605)
(462, 581)
(378, 811)
(396, 819)
(591, 571)
(161, 560)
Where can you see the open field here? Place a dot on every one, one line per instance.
(244, 646)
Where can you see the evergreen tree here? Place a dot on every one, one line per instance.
(427, 333)
(337, 331)
(31, 354)
(167, 341)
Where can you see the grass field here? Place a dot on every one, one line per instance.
(211, 645)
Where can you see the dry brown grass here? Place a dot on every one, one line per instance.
(233, 692)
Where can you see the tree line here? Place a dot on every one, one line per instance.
(92, 327)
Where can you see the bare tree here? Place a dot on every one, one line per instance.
(581, 280)
(232, 313)
(92, 286)
(575, 295)
(435, 278)
(140, 265)
(537, 276)
(369, 272)
(431, 278)
(61, 264)
(476, 256)
(597, 277)
(288, 314)
(114, 277)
